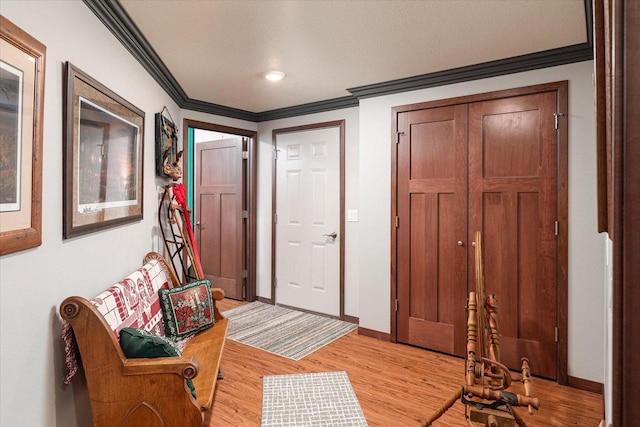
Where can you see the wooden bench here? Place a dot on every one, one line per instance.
(146, 392)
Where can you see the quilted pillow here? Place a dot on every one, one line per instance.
(138, 343)
(187, 309)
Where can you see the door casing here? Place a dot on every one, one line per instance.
(220, 228)
(341, 125)
(561, 88)
(250, 171)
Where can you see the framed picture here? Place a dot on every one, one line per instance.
(22, 66)
(168, 155)
(103, 157)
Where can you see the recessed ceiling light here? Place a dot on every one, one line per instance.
(274, 75)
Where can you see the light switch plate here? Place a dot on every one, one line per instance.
(352, 215)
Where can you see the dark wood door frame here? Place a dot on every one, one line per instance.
(561, 88)
(250, 171)
(341, 125)
(623, 97)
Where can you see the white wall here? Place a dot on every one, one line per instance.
(34, 282)
(265, 170)
(586, 247)
(608, 334)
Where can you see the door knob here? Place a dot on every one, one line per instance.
(460, 243)
(332, 235)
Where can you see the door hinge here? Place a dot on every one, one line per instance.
(275, 218)
(275, 154)
(245, 214)
(397, 222)
(275, 282)
(396, 305)
(555, 118)
(245, 274)
(398, 133)
(245, 155)
(557, 228)
(556, 334)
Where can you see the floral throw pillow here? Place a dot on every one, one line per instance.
(187, 309)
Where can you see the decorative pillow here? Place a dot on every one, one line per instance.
(138, 343)
(187, 309)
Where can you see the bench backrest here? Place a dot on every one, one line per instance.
(133, 302)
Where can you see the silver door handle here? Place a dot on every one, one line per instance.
(332, 235)
(460, 243)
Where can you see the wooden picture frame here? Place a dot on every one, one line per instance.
(103, 147)
(22, 71)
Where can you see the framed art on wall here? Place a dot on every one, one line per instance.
(22, 66)
(168, 164)
(103, 157)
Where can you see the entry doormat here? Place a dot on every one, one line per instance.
(310, 400)
(289, 333)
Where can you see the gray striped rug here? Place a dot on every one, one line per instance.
(282, 331)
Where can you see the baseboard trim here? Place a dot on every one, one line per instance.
(351, 319)
(586, 385)
(374, 334)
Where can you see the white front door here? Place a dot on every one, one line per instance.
(308, 220)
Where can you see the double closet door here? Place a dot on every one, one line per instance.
(489, 166)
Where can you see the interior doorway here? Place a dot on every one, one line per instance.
(220, 173)
(308, 212)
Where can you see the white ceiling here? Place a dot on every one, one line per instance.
(218, 50)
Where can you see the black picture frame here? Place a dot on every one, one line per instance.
(168, 155)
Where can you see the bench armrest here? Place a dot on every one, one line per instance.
(217, 293)
(185, 366)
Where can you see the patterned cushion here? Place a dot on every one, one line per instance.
(138, 343)
(133, 302)
(188, 309)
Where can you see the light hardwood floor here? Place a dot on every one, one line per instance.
(397, 385)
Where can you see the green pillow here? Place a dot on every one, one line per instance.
(138, 343)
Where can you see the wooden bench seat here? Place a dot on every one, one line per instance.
(145, 392)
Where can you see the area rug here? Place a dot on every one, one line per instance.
(289, 333)
(304, 400)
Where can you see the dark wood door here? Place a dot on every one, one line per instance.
(513, 202)
(432, 228)
(487, 166)
(219, 223)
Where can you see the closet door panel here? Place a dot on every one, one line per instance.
(432, 210)
(512, 201)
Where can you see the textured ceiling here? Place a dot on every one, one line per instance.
(218, 50)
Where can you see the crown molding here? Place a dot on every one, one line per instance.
(116, 19)
(219, 110)
(310, 108)
(517, 64)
